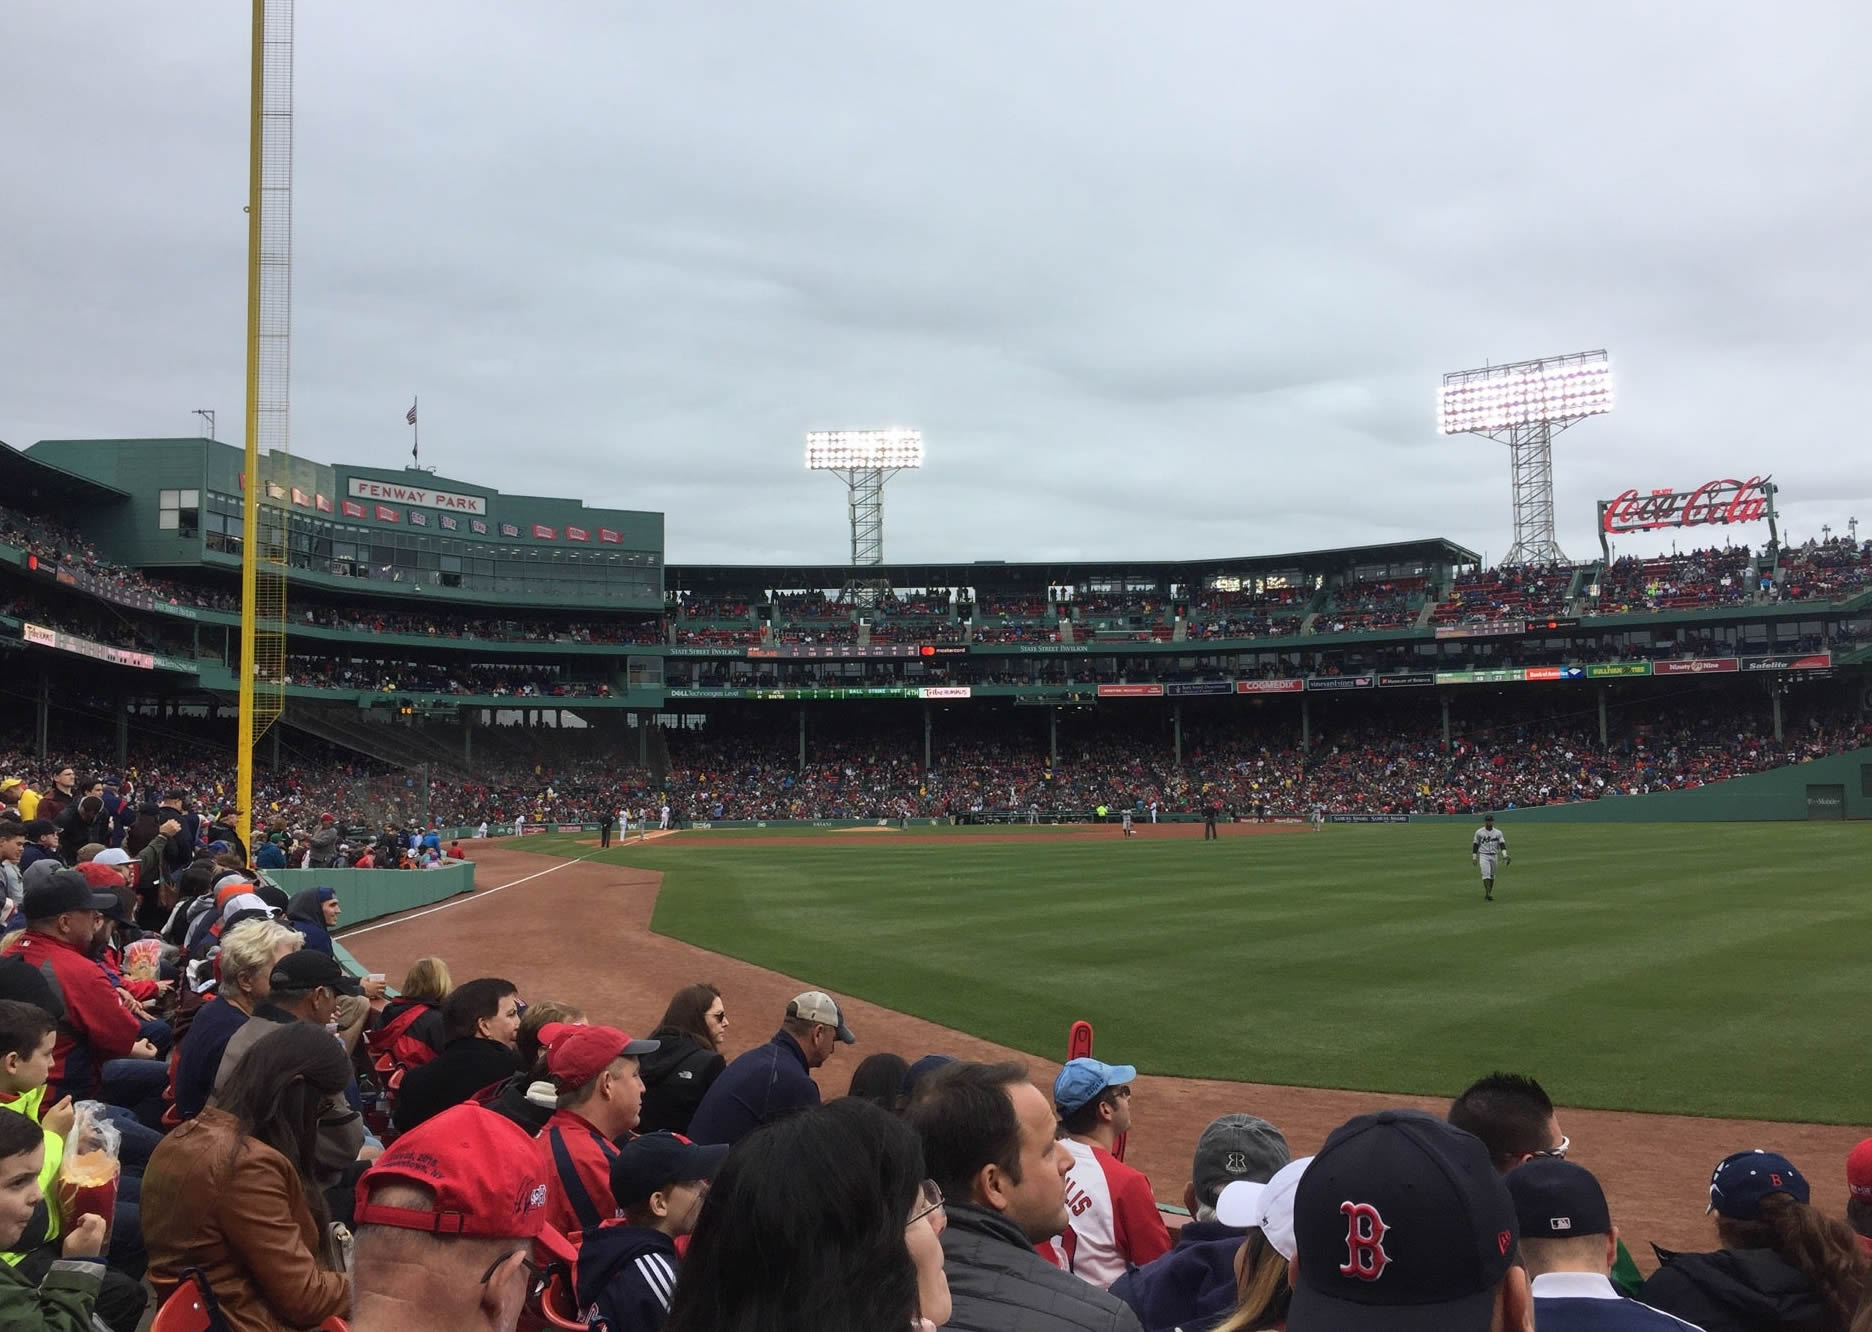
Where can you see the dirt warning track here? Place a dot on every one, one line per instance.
(579, 931)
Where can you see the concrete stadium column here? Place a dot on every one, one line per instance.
(123, 730)
(276, 754)
(1446, 737)
(926, 737)
(42, 714)
(1605, 735)
(643, 739)
(1774, 697)
(1176, 725)
(468, 725)
(1306, 723)
(802, 739)
(1053, 737)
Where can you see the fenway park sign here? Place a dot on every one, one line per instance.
(1722, 501)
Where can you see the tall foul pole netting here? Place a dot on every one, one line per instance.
(269, 380)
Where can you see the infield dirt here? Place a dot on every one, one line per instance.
(580, 931)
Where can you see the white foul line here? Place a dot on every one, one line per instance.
(459, 901)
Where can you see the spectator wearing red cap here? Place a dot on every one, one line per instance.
(444, 1222)
(600, 1097)
(325, 843)
(1859, 1194)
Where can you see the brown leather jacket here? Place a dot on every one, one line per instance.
(237, 1210)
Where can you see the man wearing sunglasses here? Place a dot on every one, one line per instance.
(451, 1228)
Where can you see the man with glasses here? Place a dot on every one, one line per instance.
(1115, 1222)
(627, 1273)
(445, 1223)
(1514, 1117)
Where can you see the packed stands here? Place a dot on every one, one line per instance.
(1703, 578)
(1506, 594)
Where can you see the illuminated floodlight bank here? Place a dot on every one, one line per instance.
(892, 449)
(1524, 405)
(1501, 397)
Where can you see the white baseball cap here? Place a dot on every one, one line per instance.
(1267, 1207)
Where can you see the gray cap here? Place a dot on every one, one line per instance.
(1236, 1147)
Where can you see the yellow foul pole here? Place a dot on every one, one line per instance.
(250, 498)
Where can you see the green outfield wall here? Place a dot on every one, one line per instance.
(370, 893)
(1837, 787)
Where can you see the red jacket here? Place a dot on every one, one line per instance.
(577, 1158)
(94, 1016)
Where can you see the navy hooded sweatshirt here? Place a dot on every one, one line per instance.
(1192, 1287)
(626, 1277)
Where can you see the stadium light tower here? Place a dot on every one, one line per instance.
(865, 460)
(1524, 405)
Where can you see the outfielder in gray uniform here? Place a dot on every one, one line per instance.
(1490, 842)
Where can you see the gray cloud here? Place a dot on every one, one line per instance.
(1155, 281)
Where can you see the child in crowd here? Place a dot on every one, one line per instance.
(64, 1300)
(627, 1269)
(27, 1034)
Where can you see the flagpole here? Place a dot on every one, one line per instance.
(415, 451)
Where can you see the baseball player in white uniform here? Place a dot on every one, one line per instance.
(1490, 844)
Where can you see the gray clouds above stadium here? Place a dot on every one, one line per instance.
(1154, 280)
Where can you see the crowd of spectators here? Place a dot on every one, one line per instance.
(414, 677)
(1506, 593)
(1718, 576)
(1824, 570)
(1372, 605)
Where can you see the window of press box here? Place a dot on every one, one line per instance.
(179, 511)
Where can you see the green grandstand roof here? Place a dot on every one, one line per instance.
(691, 577)
(26, 477)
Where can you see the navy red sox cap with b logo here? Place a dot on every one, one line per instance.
(1402, 1225)
(1742, 1179)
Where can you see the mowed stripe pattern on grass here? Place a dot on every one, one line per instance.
(1712, 970)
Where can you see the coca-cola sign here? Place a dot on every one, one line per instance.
(1724, 500)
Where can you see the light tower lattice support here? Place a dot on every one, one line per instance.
(864, 492)
(1530, 471)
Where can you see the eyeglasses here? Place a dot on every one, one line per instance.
(929, 1199)
(536, 1275)
(1554, 1153)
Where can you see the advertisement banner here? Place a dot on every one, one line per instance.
(608, 537)
(1696, 666)
(1334, 683)
(541, 532)
(1407, 679)
(1270, 686)
(1368, 818)
(1817, 661)
(1199, 688)
(84, 647)
(1555, 673)
(422, 497)
(352, 509)
(1131, 691)
(1724, 500)
(577, 534)
(385, 514)
(1492, 629)
(834, 651)
(944, 691)
(1615, 670)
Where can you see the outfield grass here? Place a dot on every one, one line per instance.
(1713, 969)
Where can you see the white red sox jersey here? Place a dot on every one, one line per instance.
(1489, 843)
(1115, 1223)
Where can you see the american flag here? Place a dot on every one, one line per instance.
(411, 418)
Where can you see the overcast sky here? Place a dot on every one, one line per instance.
(1155, 280)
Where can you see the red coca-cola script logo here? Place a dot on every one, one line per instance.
(1721, 501)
